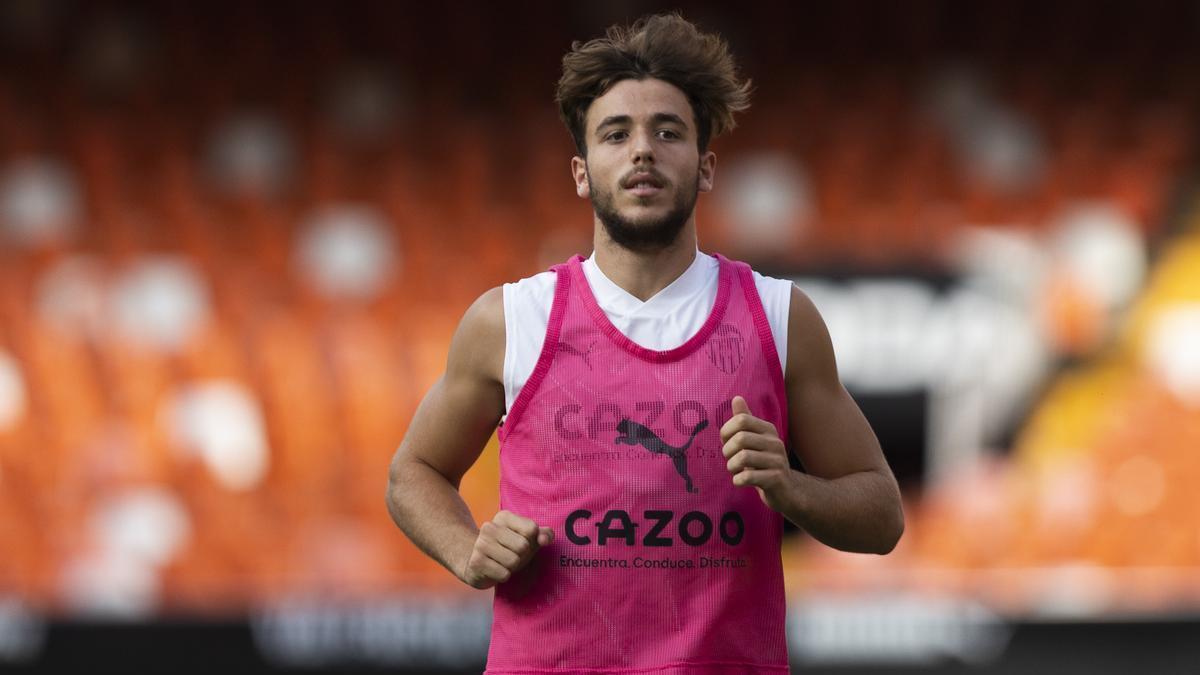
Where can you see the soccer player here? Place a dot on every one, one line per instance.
(646, 398)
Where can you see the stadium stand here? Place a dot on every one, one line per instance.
(222, 157)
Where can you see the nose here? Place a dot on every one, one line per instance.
(642, 148)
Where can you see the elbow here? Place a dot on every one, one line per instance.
(408, 477)
(395, 487)
(390, 497)
(893, 531)
(891, 518)
(893, 538)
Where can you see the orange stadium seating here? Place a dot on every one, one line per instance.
(471, 199)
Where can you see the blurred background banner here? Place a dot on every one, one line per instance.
(235, 238)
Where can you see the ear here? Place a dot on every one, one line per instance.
(708, 167)
(579, 173)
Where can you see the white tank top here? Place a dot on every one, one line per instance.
(663, 322)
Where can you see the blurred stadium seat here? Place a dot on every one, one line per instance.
(320, 255)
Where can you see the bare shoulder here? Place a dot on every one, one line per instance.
(810, 350)
(460, 411)
(477, 349)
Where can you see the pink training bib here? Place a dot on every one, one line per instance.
(659, 563)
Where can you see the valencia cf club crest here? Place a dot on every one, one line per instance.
(727, 348)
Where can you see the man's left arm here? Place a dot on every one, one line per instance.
(847, 498)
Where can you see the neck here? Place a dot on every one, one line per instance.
(642, 274)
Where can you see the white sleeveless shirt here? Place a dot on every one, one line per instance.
(663, 322)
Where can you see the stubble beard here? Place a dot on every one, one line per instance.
(644, 236)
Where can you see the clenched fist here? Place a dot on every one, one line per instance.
(757, 456)
(505, 544)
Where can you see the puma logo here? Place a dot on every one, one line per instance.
(572, 349)
(633, 433)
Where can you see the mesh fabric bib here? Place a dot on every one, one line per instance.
(659, 563)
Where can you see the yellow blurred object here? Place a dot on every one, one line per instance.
(1112, 453)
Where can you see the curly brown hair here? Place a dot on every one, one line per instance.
(665, 47)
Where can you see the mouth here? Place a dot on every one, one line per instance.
(643, 185)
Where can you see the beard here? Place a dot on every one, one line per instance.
(647, 235)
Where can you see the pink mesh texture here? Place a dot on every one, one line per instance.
(659, 563)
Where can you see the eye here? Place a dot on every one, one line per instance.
(615, 136)
(668, 134)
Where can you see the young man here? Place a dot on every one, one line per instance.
(646, 398)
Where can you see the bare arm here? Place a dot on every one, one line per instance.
(448, 432)
(848, 499)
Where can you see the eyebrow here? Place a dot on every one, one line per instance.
(626, 119)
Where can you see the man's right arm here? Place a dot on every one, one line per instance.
(448, 432)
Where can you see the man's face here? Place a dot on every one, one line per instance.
(643, 169)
